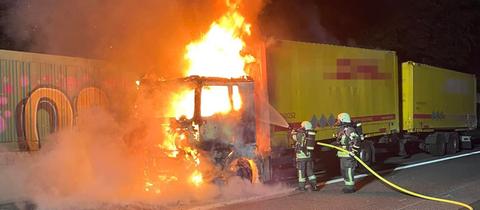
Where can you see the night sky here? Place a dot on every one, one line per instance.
(436, 32)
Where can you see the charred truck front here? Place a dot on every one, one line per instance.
(215, 116)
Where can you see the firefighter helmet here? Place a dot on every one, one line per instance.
(306, 125)
(343, 118)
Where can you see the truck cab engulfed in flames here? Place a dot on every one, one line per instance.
(215, 116)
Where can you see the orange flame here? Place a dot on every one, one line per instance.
(219, 53)
(237, 99)
(183, 104)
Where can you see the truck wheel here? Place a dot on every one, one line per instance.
(453, 143)
(245, 169)
(366, 153)
(439, 147)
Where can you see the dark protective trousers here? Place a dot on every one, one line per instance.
(347, 167)
(305, 171)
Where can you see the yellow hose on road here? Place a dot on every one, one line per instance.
(394, 185)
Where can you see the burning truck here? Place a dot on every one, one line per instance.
(215, 119)
(206, 121)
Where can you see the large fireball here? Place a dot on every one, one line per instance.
(219, 52)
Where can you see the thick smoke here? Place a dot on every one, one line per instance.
(142, 35)
(137, 36)
(88, 162)
(92, 166)
(295, 20)
(133, 37)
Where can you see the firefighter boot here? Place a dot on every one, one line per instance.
(348, 189)
(314, 185)
(301, 187)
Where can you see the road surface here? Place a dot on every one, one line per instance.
(457, 179)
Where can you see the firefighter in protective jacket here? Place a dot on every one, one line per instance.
(348, 137)
(304, 145)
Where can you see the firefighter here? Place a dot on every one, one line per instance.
(304, 138)
(348, 137)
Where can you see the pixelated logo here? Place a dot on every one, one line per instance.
(357, 69)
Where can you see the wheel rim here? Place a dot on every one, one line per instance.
(245, 169)
(363, 155)
(455, 144)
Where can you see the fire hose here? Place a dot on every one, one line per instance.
(394, 185)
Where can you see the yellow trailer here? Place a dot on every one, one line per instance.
(315, 82)
(438, 104)
(436, 98)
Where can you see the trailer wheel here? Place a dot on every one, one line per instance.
(453, 142)
(439, 146)
(367, 154)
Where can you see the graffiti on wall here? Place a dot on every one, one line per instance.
(60, 109)
(61, 112)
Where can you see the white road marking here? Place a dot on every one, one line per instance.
(292, 190)
(281, 193)
(409, 166)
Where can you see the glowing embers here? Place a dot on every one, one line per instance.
(155, 185)
(174, 161)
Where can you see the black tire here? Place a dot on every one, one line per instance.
(393, 144)
(439, 147)
(366, 153)
(453, 143)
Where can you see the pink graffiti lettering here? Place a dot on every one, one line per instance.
(7, 114)
(7, 89)
(3, 100)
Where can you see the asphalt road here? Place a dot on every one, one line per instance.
(457, 179)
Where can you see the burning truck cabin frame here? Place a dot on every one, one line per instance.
(214, 115)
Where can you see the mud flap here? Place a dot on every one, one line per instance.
(466, 142)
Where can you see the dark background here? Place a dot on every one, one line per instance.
(444, 33)
(438, 32)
